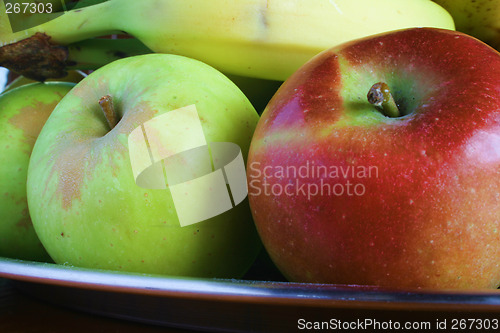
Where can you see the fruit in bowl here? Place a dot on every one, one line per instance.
(377, 163)
(23, 112)
(87, 203)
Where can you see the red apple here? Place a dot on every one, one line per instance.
(400, 195)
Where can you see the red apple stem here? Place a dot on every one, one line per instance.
(380, 96)
(106, 103)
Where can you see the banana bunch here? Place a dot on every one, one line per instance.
(266, 39)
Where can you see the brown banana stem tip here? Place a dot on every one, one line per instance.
(35, 58)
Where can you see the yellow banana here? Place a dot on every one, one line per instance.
(478, 18)
(258, 38)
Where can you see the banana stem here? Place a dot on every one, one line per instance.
(95, 53)
(36, 58)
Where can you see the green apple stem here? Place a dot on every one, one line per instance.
(380, 96)
(106, 103)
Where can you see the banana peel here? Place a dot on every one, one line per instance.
(255, 38)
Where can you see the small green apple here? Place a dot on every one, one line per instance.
(84, 200)
(73, 76)
(23, 112)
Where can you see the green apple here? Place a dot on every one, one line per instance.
(23, 112)
(73, 76)
(86, 205)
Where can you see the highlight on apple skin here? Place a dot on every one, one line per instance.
(344, 191)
